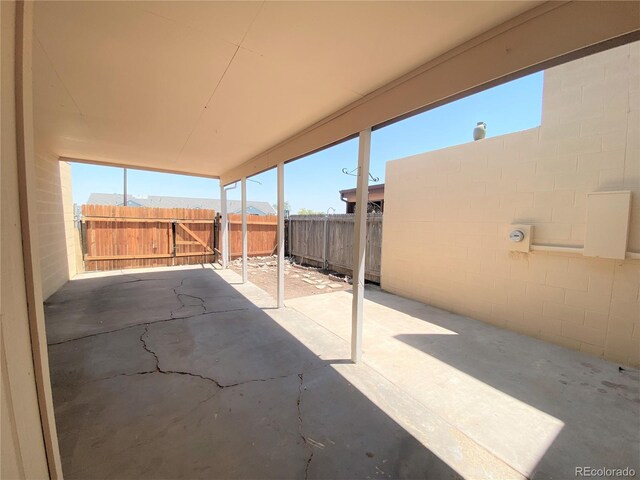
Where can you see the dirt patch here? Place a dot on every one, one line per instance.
(299, 280)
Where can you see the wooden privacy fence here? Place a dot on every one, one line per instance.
(327, 241)
(262, 232)
(127, 237)
(114, 237)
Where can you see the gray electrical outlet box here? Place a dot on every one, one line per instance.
(519, 237)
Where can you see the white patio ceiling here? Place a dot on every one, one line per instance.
(205, 87)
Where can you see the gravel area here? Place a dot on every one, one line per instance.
(299, 280)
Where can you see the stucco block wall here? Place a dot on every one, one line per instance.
(447, 213)
(55, 222)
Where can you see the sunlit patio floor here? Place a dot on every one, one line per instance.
(186, 373)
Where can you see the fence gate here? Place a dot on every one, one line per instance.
(126, 237)
(114, 238)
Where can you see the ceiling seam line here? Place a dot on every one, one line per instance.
(208, 101)
(66, 89)
(252, 22)
(215, 89)
(238, 47)
(186, 26)
(445, 57)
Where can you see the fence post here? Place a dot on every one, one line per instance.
(215, 238)
(173, 242)
(289, 230)
(82, 232)
(324, 244)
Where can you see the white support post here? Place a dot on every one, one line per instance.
(244, 230)
(359, 244)
(280, 235)
(224, 230)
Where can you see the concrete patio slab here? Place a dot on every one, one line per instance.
(229, 394)
(98, 303)
(186, 373)
(540, 408)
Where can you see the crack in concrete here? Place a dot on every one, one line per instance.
(168, 372)
(180, 295)
(182, 304)
(258, 380)
(145, 323)
(146, 372)
(146, 347)
(306, 468)
(123, 283)
(135, 280)
(307, 443)
(56, 303)
(172, 313)
(203, 377)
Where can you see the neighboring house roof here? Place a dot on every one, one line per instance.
(160, 201)
(251, 210)
(376, 192)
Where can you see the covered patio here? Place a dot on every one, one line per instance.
(196, 373)
(189, 373)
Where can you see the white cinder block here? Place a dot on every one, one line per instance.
(469, 193)
(55, 218)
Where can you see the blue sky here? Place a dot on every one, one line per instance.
(313, 182)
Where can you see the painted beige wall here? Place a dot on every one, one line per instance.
(55, 220)
(22, 450)
(455, 204)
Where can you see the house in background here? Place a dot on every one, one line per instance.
(376, 199)
(161, 201)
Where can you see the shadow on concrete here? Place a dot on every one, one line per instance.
(598, 403)
(177, 375)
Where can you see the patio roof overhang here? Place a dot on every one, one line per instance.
(230, 89)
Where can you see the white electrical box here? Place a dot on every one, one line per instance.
(607, 224)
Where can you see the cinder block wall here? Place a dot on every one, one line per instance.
(55, 222)
(446, 213)
(23, 451)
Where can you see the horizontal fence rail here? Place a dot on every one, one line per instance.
(128, 237)
(327, 241)
(115, 237)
